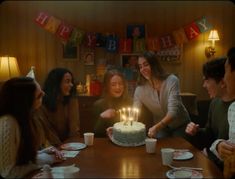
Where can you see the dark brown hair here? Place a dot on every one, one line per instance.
(52, 88)
(214, 69)
(17, 97)
(157, 70)
(231, 57)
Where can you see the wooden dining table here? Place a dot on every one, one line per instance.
(104, 159)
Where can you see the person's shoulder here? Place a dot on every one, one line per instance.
(8, 120)
(99, 102)
(215, 101)
(172, 77)
(141, 87)
(172, 80)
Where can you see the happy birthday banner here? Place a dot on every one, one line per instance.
(74, 36)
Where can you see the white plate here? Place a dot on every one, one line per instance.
(194, 174)
(73, 146)
(182, 155)
(125, 144)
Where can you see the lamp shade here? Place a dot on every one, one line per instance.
(8, 68)
(213, 35)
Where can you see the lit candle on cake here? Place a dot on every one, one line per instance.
(137, 114)
(128, 115)
(124, 116)
(120, 114)
(131, 120)
(124, 119)
(129, 112)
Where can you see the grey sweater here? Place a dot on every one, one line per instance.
(168, 101)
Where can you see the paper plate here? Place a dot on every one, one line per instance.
(182, 155)
(183, 173)
(73, 146)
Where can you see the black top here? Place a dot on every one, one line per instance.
(100, 124)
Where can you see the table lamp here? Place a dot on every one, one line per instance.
(8, 68)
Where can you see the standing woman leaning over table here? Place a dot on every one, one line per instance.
(59, 113)
(19, 155)
(159, 92)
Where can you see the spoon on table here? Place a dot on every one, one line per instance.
(191, 168)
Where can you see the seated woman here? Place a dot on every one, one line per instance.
(159, 92)
(59, 113)
(115, 96)
(19, 155)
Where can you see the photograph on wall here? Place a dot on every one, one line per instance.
(129, 63)
(70, 52)
(88, 58)
(135, 31)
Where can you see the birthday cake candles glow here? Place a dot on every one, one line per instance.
(128, 115)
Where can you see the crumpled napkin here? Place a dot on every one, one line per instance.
(65, 169)
(64, 172)
(70, 154)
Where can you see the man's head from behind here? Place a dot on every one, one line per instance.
(213, 74)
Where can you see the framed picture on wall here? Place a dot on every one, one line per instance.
(70, 52)
(88, 58)
(135, 31)
(129, 60)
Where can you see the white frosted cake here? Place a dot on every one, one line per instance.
(129, 135)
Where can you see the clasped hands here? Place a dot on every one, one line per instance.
(58, 155)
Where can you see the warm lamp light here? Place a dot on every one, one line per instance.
(8, 68)
(213, 36)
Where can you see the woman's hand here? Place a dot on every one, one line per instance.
(152, 131)
(229, 166)
(109, 132)
(225, 149)
(192, 128)
(57, 153)
(109, 113)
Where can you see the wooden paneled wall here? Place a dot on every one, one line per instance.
(20, 36)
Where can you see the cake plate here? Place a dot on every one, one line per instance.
(126, 144)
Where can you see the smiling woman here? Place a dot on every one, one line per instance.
(160, 93)
(115, 96)
(59, 112)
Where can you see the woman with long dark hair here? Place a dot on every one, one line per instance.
(159, 92)
(19, 155)
(59, 112)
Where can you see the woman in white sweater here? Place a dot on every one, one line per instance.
(159, 92)
(19, 154)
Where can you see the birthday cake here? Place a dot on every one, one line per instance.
(133, 134)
